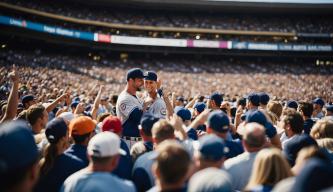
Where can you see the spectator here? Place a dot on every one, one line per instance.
(322, 129)
(56, 165)
(81, 129)
(240, 167)
(171, 167)
(306, 110)
(292, 123)
(210, 153)
(210, 180)
(103, 151)
(215, 101)
(37, 117)
(329, 112)
(269, 168)
(18, 156)
(124, 168)
(292, 104)
(264, 99)
(318, 104)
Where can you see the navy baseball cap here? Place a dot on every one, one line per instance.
(259, 117)
(135, 73)
(211, 147)
(200, 106)
(55, 130)
(319, 101)
(329, 108)
(27, 98)
(217, 97)
(18, 148)
(253, 98)
(264, 98)
(292, 104)
(295, 145)
(151, 75)
(183, 113)
(180, 98)
(147, 122)
(218, 121)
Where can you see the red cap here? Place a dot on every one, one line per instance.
(113, 124)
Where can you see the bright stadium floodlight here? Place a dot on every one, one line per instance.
(197, 37)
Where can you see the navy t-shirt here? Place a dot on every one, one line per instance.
(235, 148)
(64, 165)
(192, 134)
(124, 168)
(79, 151)
(308, 125)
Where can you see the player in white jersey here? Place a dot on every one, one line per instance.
(157, 106)
(129, 107)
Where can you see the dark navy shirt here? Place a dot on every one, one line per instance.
(64, 165)
(308, 125)
(125, 164)
(149, 145)
(192, 134)
(79, 151)
(235, 148)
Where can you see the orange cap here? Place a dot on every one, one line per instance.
(81, 125)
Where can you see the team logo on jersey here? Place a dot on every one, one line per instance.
(123, 106)
(163, 111)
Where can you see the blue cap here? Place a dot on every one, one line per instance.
(329, 108)
(147, 122)
(264, 98)
(151, 75)
(257, 117)
(218, 121)
(74, 104)
(18, 148)
(319, 101)
(183, 113)
(217, 97)
(295, 145)
(200, 106)
(211, 147)
(180, 98)
(55, 130)
(27, 98)
(135, 73)
(254, 99)
(292, 104)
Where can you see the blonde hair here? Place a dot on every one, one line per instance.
(322, 129)
(269, 168)
(276, 108)
(326, 143)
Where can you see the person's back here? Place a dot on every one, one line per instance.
(85, 180)
(64, 165)
(142, 174)
(124, 168)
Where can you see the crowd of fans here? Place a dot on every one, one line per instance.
(208, 20)
(54, 139)
(44, 70)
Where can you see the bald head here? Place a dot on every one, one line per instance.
(254, 137)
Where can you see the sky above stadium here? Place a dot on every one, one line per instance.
(283, 1)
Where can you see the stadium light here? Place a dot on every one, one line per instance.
(3, 46)
(197, 37)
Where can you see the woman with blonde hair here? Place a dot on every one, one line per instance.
(322, 129)
(269, 168)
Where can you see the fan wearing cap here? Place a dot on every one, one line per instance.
(104, 153)
(157, 106)
(264, 99)
(129, 107)
(18, 158)
(81, 130)
(28, 100)
(252, 102)
(124, 168)
(210, 152)
(56, 165)
(318, 105)
(218, 123)
(258, 116)
(215, 101)
(142, 170)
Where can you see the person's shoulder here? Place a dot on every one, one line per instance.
(71, 159)
(143, 159)
(127, 185)
(75, 177)
(235, 161)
